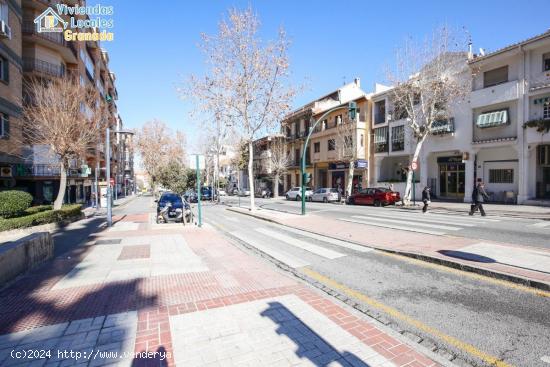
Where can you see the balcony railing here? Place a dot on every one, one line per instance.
(443, 127)
(28, 27)
(31, 64)
(46, 170)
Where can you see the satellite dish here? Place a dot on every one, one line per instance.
(481, 51)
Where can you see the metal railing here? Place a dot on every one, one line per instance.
(31, 64)
(28, 27)
(43, 170)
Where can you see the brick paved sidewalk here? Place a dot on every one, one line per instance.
(441, 248)
(186, 297)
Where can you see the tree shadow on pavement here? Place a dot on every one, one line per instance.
(310, 345)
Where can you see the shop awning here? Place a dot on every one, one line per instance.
(491, 119)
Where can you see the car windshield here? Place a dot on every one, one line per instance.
(173, 198)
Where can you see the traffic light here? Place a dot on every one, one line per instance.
(306, 178)
(352, 110)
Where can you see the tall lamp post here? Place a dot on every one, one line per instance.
(306, 177)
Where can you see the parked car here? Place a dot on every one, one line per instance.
(175, 201)
(325, 194)
(263, 193)
(377, 196)
(190, 196)
(222, 192)
(295, 193)
(207, 193)
(243, 192)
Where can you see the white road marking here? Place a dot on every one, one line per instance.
(545, 359)
(410, 229)
(332, 241)
(521, 257)
(317, 250)
(540, 224)
(405, 222)
(425, 218)
(232, 219)
(282, 256)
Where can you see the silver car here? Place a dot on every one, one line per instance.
(296, 192)
(325, 194)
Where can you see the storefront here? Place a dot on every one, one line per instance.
(452, 177)
(338, 175)
(543, 171)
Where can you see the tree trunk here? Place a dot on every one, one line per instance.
(276, 186)
(251, 174)
(349, 185)
(407, 197)
(62, 186)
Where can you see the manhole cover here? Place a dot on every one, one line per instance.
(111, 241)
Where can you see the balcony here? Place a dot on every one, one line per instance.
(500, 93)
(443, 127)
(539, 81)
(47, 170)
(43, 67)
(50, 39)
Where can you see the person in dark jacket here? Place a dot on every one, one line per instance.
(426, 199)
(479, 196)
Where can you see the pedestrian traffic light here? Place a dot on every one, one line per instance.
(352, 110)
(306, 178)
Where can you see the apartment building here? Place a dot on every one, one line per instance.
(511, 91)
(10, 90)
(323, 161)
(268, 151)
(47, 55)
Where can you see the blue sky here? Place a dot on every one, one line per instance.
(155, 44)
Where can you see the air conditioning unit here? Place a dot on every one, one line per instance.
(5, 30)
(5, 172)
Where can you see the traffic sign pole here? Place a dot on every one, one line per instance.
(198, 189)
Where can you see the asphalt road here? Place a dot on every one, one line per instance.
(527, 232)
(448, 307)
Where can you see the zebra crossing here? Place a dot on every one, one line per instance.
(428, 223)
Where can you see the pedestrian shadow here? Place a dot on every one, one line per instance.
(311, 346)
(467, 256)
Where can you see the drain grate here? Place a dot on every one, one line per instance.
(111, 241)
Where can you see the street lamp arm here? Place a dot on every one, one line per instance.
(303, 163)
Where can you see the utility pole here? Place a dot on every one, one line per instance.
(198, 189)
(108, 177)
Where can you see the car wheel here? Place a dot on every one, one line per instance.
(287, 197)
(325, 200)
(351, 201)
(377, 203)
(298, 198)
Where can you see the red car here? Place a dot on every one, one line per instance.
(377, 196)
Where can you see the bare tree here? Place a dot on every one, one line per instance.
(346, 146)
(279, 160)
(247, 76)
(64, 116)
(429, 79)
(158, 146)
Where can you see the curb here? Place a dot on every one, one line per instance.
(423, 345)
(431, 259)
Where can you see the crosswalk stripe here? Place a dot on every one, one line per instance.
(317, 250)
(332, 241)
(426, 218)
(282, 256)
(410, 229)
(477, 217)
(540, 224)
(412, 223)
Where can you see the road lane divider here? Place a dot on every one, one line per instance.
(393, 312)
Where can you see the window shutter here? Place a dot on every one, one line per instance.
(6, 71)
(6, 121)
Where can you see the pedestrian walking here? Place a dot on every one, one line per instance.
(479, 196)
(426, 199)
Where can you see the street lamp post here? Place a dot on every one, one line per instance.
(108, 177)
(352, 111)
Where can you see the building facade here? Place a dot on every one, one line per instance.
(32, 54)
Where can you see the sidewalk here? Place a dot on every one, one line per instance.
(142, 294)
(91, 211)
(446, 250)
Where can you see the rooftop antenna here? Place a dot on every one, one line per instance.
(481, 51)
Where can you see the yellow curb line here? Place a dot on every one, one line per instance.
(468, 348)
(502, 282)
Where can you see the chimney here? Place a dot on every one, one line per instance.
(357, 82)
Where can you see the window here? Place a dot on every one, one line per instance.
(331, 144)
(397, 138)
(546, 110)
(492, 119)
(348, 141)
(381, 140)
(317, 147)
(338, 120)
(4, 70)
(495, 76)
(4, 12)
(501, 176)
(4, 125)
(546, 62)
(380, 112)
(88, 62)
(441, 127)
(362, 141)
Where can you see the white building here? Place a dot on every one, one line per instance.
(485, 137)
